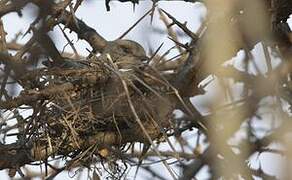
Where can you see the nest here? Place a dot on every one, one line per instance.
(94, 105)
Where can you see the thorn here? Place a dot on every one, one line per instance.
(134, 25)
(181, 25)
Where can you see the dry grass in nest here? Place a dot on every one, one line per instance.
(95, 110)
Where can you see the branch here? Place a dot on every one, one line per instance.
(15, 5)
(31, 97)
(97, 42)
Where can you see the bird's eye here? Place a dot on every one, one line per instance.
(127, 50)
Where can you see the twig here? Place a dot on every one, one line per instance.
(137, 22)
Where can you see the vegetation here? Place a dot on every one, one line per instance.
(93, 111)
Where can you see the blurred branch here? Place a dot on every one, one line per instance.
(14, 5)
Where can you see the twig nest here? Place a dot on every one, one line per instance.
(107, 105)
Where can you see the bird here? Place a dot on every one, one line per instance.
(126, 54)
